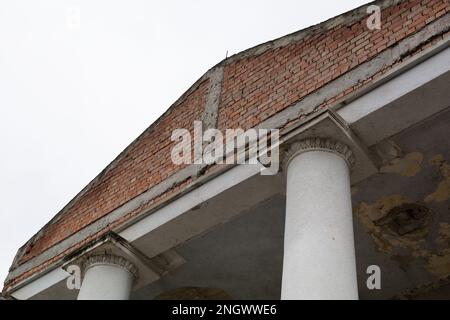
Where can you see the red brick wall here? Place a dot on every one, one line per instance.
(254, 88)
(257, 87)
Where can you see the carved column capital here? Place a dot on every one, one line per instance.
(110, 259)
(321, 144)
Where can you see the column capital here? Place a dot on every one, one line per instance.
(321, 144)
(110, 259)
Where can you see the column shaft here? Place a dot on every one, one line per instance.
(319, 254)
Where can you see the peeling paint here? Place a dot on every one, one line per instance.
(407, 219)
(370, 214)
(439, 264)
(444, 234)
(423, 289)
(388, 151)
(442, 192)
(410, 250)
(408, 166)
(437, 160)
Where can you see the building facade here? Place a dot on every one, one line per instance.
(357, 206)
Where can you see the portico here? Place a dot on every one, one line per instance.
(318, 234)
(363, 181)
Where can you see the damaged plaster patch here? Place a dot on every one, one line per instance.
(422, 290)
(442, 192)
(399, 227)
(444, 233)
(388, 151)
(394, 222)
(408, 166)
(439, 264)
(407, 219)
(437, 160)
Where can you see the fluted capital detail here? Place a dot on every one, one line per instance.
(322, 144)
(110, 259)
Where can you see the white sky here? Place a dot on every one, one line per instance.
(80, 80)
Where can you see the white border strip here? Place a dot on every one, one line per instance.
(40, 284)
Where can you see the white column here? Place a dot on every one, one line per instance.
(107, 277)
(319, 252)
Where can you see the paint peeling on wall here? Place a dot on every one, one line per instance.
(388, 151)
(423, 290)
(442, 192)
(444, 234)
(439, 264)
(406, 232)
(375, 218)
(378, 219)
(408, 166)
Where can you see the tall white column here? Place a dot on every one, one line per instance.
(107, 277)
(319, 252)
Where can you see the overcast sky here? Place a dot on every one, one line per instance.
(80, 80)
